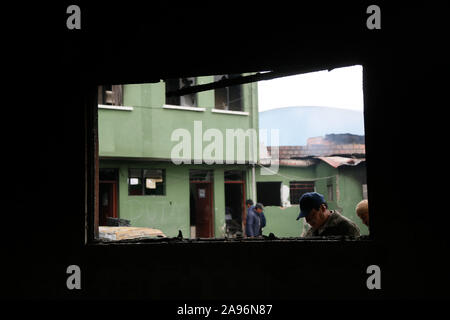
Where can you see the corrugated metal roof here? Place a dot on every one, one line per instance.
(282, 156)
(289, 162)
(336, 162)
(289, 152)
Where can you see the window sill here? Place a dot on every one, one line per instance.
(186, 108)
(122, 108)
(339, 240)
(146, 195)
(239, 113)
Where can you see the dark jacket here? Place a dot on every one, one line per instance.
(255, 222)
(336, 225)
(263, 222)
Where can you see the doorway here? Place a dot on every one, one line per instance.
(201, 203)
(107, 195)
(235, 211)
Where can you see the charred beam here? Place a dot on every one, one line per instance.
(238, 81)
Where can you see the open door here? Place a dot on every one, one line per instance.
(107, 195)
(235, 203)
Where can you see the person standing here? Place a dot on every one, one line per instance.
(255, 221)
(250, 210)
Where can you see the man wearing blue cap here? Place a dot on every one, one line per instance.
(324, 222)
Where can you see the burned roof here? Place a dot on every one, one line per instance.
(318, 150)
(336, 162)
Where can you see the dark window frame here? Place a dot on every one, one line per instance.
(110, 95)
(299, 185)
(142, 178)
(269, 201)
(231, 102)
(174, 84)
(91, 160)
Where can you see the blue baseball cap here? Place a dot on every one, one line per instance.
(309, 201)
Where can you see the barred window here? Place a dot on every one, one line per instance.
(298, 188)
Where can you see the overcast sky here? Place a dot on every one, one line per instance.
(340, 88)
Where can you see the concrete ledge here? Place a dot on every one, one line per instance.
(239, 113)
(186, 108)
(122, 108)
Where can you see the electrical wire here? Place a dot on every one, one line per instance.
(296, 177)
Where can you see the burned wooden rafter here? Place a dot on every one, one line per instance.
(239, 80)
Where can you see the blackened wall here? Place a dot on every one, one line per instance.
(405, 96)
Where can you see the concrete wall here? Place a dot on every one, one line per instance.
(351, 180)
(347, 192)
(169, 212)
(327, 175)
(281, 221)
(146, 130)
(347, 184)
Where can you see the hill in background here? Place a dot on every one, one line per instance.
(297, 124)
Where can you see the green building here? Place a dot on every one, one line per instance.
(165, 162)
(343, 186)
(188, 163)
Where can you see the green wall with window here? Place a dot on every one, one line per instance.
(346, 183)
(281, 220)
(169, 212)
(146, 131)
(327, 176)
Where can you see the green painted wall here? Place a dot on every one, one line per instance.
(347, 192)
(170, 212)
(282, 221)
(219, 202)
(327, 175)
(347, 185)
(146, 131)
(350, 181)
